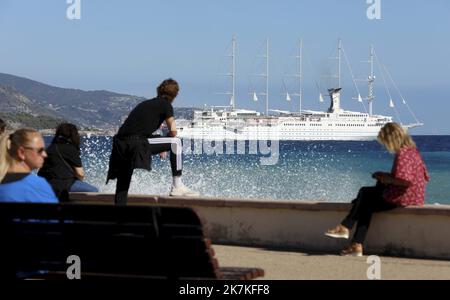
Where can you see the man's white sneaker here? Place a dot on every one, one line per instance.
(183, 191)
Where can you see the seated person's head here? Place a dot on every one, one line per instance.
(168, 89)
(394, 137)
(67, 132)
(24, 148)
(2, 126)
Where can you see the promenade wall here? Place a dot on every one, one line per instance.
(420, 232)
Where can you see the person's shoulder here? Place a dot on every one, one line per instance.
(143, 104)
(30, 180)
(407, 150)
(148, 103)
(35, 179)
(156, 103)
(149, 100)
(42, 187)
(166, 103)
(67, 147)
(159, 100)
(409, 154)
(51, 148)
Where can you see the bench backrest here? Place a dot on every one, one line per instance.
(143, 241)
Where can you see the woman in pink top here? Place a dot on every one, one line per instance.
(403, 186)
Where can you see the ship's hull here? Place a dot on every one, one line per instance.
(280, 133)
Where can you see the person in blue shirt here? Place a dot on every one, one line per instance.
(20, 153)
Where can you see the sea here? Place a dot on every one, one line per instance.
(278, 170)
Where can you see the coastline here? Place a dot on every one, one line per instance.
(100, 132)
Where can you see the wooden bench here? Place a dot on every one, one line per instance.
(120, 242)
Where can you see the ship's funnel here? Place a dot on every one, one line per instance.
(335, 97)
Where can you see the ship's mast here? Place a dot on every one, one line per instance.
(233, 73)
(338, 58)
(335, 93)
(370, 81)
(339, 62)
(267, 76)
(300, 76)
(232, 76)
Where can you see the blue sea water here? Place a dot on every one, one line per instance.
(316, 170)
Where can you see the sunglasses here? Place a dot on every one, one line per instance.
(38, 150)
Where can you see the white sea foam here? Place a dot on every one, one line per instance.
(307, 172)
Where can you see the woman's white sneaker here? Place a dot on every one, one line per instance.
(339, 232)
(340, 235)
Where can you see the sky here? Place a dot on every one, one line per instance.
(130, 46)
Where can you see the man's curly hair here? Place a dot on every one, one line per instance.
(168, 89)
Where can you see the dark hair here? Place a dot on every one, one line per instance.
(168, 89)
(2, 125)
(69, 132)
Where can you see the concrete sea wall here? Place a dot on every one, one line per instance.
(421, 232)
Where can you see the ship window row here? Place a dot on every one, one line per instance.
(301, 124)
(350, 115)
(340, 125)
(318, 130)
(308, 134)
(350, 125)
(291, 124)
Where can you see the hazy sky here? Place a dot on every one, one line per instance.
(130, 46)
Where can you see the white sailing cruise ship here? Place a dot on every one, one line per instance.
(228, 122)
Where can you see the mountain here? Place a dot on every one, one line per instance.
(24, 99)
(12, 101)
(99, 109)
(20, 120)
(19, 111)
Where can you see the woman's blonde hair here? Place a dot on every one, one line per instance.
(9, 143)
(394, 137)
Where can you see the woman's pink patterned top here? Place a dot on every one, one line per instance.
(408, 166)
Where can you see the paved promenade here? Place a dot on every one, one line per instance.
(293, 265)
